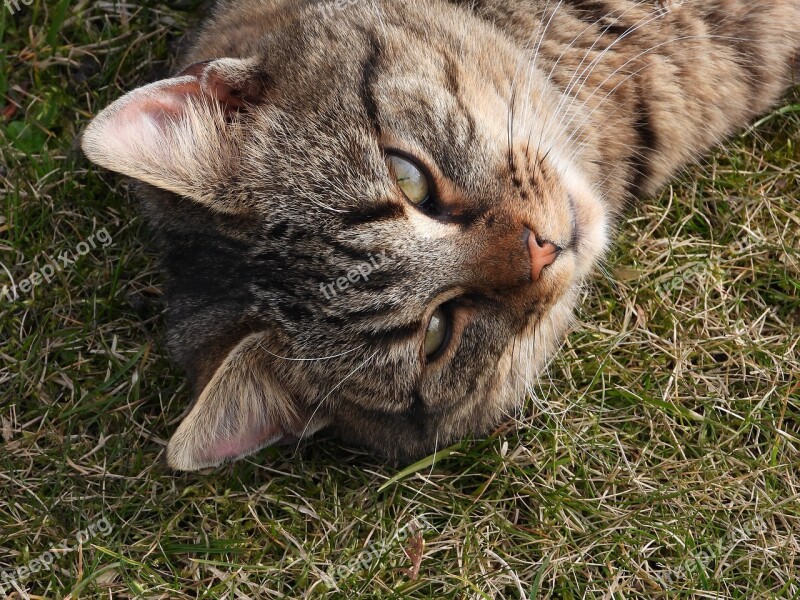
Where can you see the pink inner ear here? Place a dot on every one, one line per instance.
(135, 134)
(166, 102)
(250, 441)
(168, 105)
(145, 115)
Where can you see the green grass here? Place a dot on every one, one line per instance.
(660, 458)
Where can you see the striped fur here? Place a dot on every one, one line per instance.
(551, 114)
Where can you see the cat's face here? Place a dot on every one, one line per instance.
(377, 223)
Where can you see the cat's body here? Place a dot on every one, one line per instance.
(532, 122)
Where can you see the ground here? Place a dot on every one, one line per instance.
(659, 457)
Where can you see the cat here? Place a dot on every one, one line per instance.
(483, 149)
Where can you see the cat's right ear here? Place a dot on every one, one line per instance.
(180, 134)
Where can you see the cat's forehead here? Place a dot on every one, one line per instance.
(366, 79)
(406, 50)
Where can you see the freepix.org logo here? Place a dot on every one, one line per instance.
(14, 6)
(64, 260)
(354, 275)
(9, 580)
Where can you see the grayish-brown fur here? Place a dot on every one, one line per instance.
(264, 175)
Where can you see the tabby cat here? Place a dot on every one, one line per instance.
(376, 216)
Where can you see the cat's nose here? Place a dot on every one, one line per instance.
(542, 254)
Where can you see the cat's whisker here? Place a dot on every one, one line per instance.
(633, 74)
(537, 50)
(336, 387)
(559, 105)
(350, 374)
(322, 358)
(536, 47)
(567, 95)
(589, 69)
(577, 130)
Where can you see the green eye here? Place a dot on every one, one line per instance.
(438, 333)
(409, 178)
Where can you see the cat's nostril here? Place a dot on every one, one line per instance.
(542, 254)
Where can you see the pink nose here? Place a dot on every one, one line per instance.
(541, 255)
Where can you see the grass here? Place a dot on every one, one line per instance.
(660, 458)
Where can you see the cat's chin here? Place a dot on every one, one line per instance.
(544, 334)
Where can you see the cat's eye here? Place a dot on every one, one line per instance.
(438, 333)
(410, 179)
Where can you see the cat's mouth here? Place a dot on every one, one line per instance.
(575, 238)
(555, 296)
(590, 228)
(552, 301)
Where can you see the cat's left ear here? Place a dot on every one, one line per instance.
(180, 134)
(242, 409)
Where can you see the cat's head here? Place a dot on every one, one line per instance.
(376, 223)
